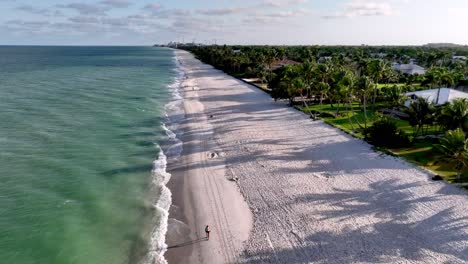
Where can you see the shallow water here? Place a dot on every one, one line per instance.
(80, 128)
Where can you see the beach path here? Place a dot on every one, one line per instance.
(317, 194)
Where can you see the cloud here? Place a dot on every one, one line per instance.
(116, 3)
(39, 11)
(359, 8)
(84, 19)
(153, 7)
(157, 10)
(288, 14)
(282, 3)
(189, 25)
(86, 9)
(33, 10)
(18, 22)
(222, 11)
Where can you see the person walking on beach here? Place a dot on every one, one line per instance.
(207, 231)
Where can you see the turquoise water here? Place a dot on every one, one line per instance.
(79, 131)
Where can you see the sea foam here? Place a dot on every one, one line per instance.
(172, 151)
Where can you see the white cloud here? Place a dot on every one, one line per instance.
(282, 3)
(287, 14)
(39, 11)
(84, 19)
(222, 11)
(153, 7)
(359, 8)
(117, 3)
(85, 9)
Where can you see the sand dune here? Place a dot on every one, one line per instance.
(317, 195)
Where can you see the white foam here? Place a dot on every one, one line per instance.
(176, 145)
(174, 114)
(157, 245)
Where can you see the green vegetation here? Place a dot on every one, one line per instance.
(357, 90)
(385, 133)
(454, 149)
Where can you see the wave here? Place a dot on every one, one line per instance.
(157, 245)
(172, 151)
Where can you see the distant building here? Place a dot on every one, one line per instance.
(459, 58)
(282, 63)
(438, 96)
(324, 59)
(409, 69)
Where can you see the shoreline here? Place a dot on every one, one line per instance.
(317, 194)
(201, 191)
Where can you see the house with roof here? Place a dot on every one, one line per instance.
(324, 59)
(459, 58)
(409, 69)
(438, 96)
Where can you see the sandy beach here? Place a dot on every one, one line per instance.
(306, 192)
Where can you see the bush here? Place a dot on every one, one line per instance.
(322, 114)
(326, 115)
(385, 133)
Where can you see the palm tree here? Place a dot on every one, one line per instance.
(286, 87)
(364, 87)
(446, 79)
(299, 86)
(270, 59)
(346, 85)
(307, 71)
(454, 149)
(377, 70)
(337, 91)
(361, 66)
(455, 115)
(395, 96)
(323, 74)
(421, 113)
(322, 88)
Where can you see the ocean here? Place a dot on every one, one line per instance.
(83, 137)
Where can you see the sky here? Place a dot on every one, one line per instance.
(271, 22)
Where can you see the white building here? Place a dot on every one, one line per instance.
(409, 69)
(459, 58)
(438, 96)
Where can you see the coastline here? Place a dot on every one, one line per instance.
(201, 191)
(317, 194)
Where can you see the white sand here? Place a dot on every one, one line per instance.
(317, 195)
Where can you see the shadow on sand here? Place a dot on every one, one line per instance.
(188, 243)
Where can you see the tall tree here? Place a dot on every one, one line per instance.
(364, 86)
(377, 69)
(454, 149)
(455, 115)
(421, 113)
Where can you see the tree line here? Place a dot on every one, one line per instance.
(359, 78)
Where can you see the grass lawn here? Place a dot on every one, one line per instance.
(382, 85)
(342, 121)
(420, 153)
(423, 154)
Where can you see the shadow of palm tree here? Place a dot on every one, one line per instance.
(386, 242)
(389, 236)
